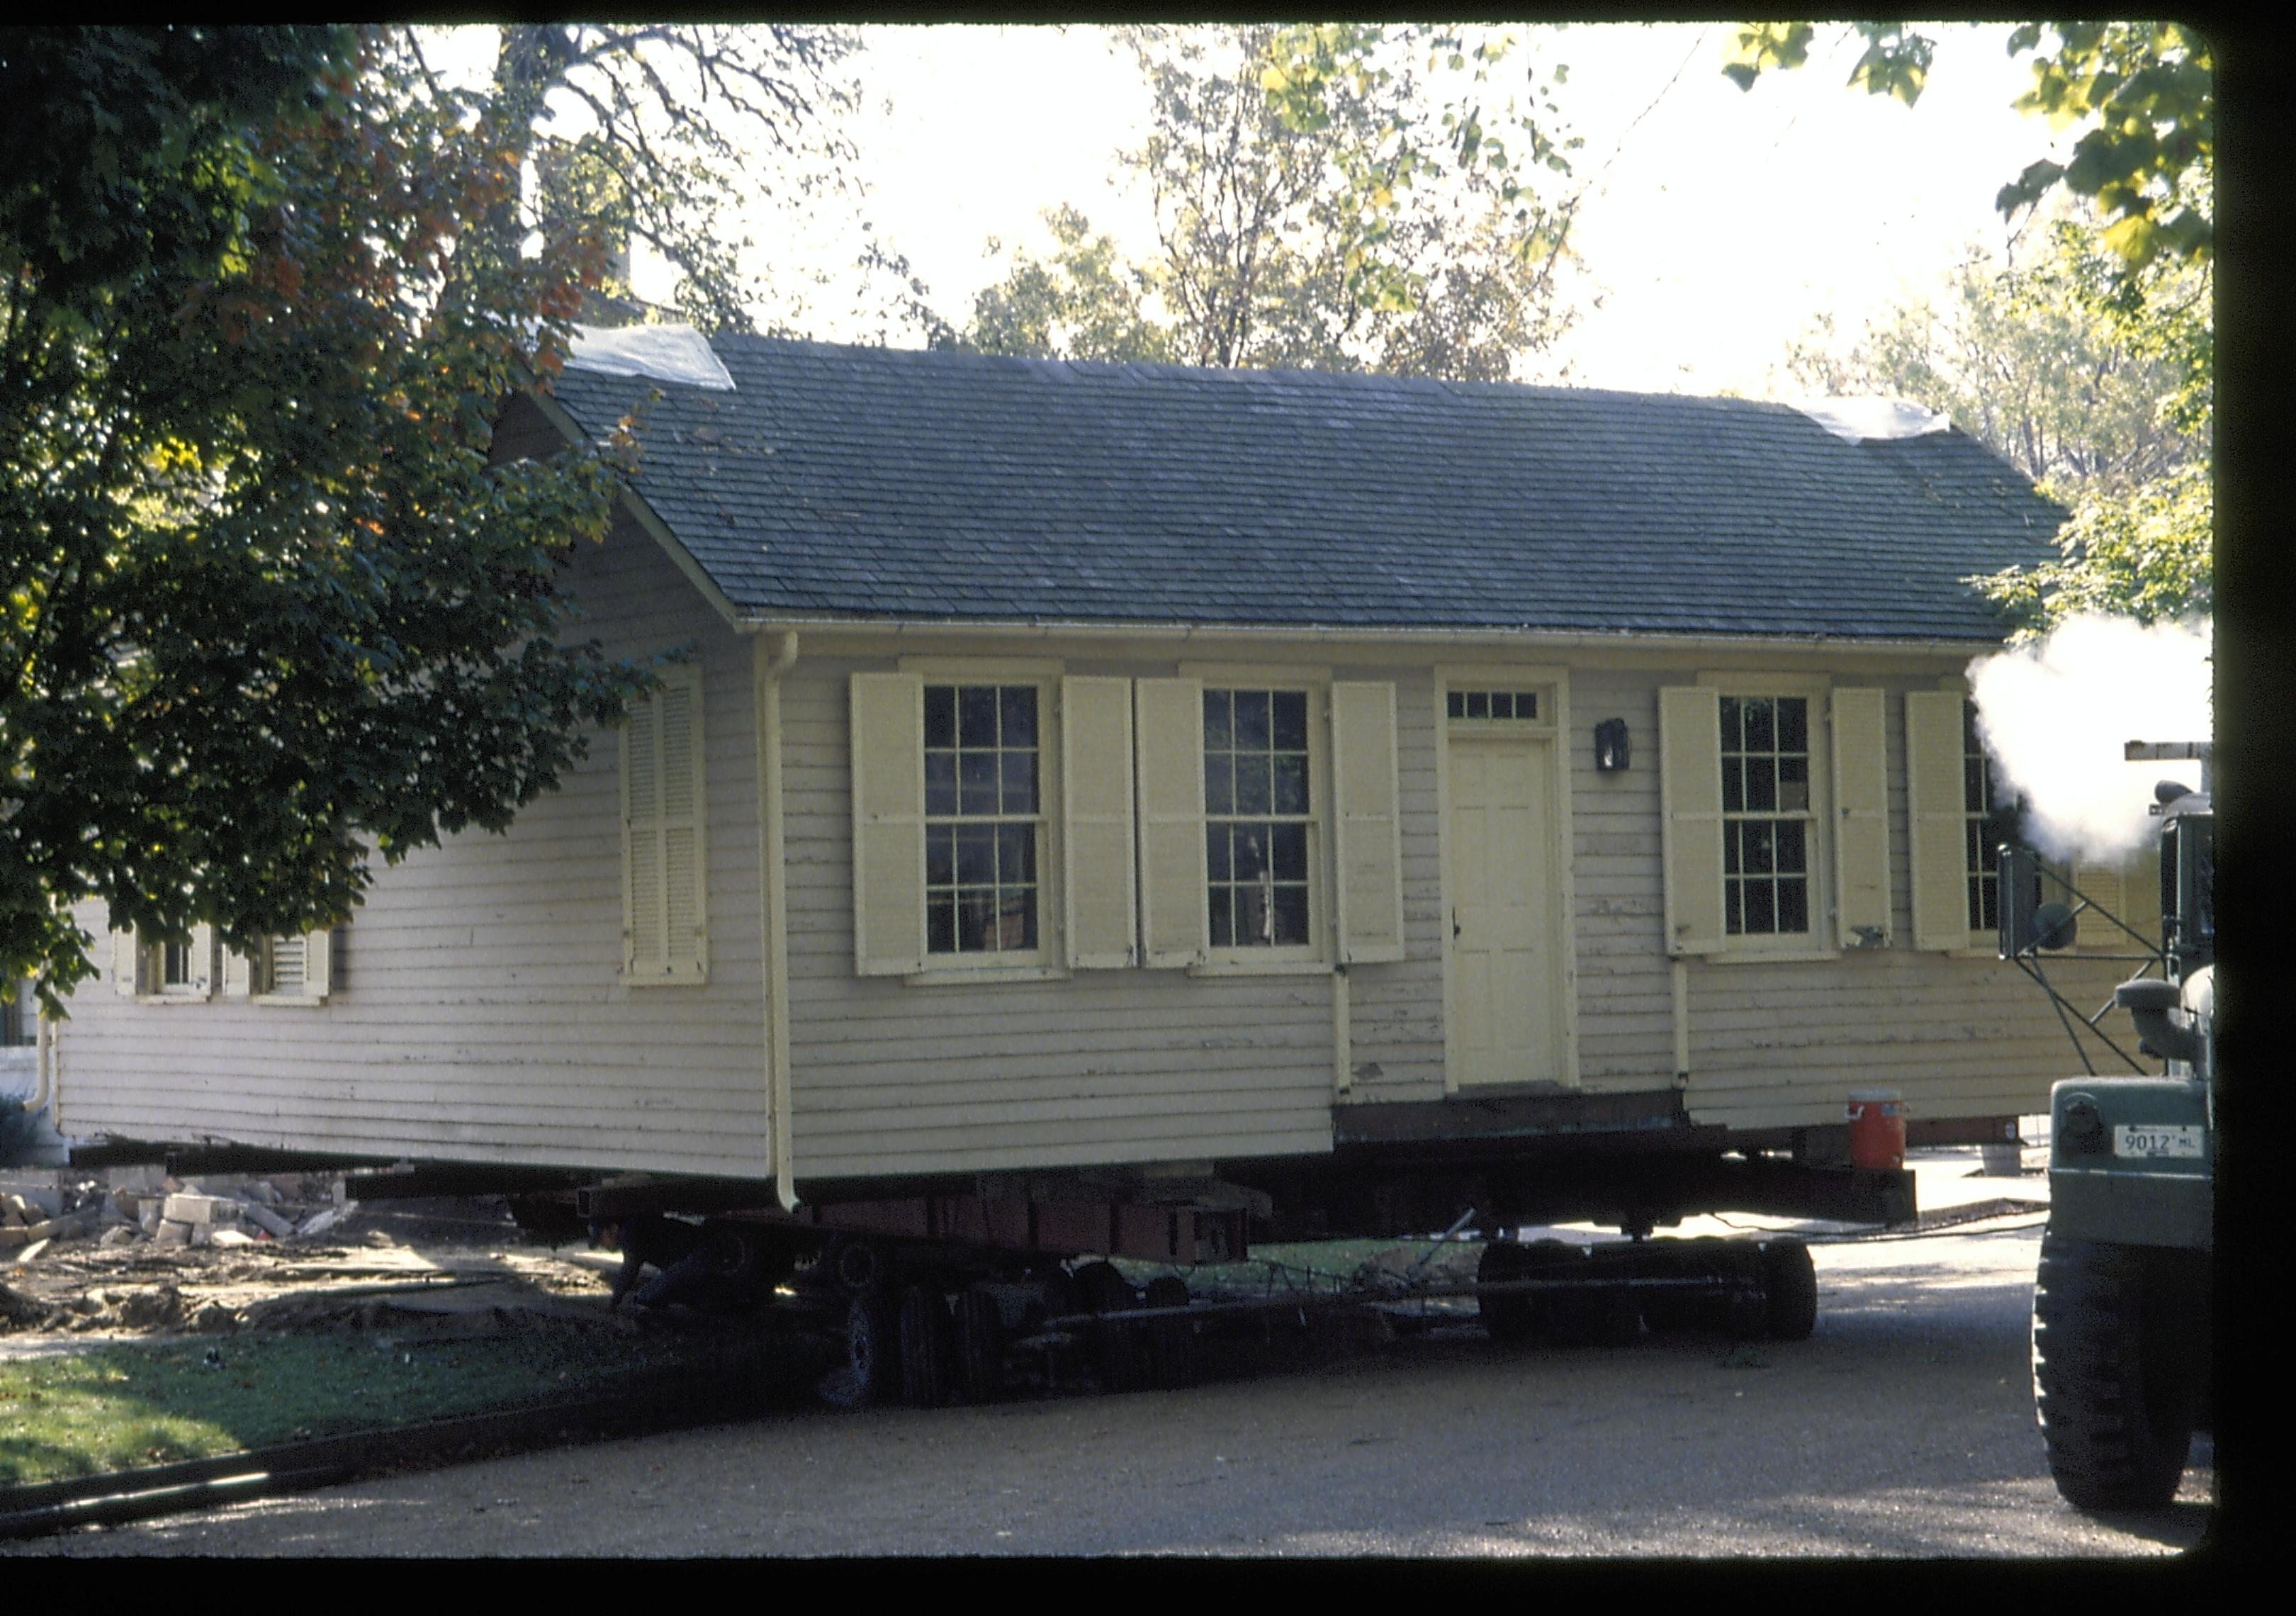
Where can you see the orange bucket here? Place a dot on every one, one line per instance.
(1877, 1128)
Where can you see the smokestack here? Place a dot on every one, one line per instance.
(2056, 716)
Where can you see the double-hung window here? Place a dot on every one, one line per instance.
(984, 820)
(1259, 818)
(1766, 815)
(150, 967)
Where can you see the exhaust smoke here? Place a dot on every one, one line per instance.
(2055, 716)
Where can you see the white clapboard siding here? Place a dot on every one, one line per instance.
(476, 1008)
(1861, 815)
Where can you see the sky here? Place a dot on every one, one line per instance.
(1716, 224)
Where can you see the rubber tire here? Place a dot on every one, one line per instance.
(873, 1358)
(927, 1352)
(1789, 1291)
(1512, 1315)
(2118, 1363)
(980, 1345)
(1172, 1354)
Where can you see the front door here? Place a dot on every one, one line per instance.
(1506, 981)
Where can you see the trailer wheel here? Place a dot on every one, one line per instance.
(1171, 1342)
(926, 1349)
(1789, 1291)
(2117, 1367)
(1510, 1314)
(980, 1345)
(872, 1373)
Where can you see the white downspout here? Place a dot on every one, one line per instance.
(781, 1120)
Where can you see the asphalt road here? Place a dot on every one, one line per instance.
(1903, 1427)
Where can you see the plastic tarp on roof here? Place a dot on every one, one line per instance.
(661, 353)
(1871, 419)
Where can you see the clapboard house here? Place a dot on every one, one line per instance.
(1132, 770)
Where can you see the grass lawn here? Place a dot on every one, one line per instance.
(123, 1406)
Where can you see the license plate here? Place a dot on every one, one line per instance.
(2183, 1141)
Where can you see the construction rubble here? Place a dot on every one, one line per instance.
(142, 1254)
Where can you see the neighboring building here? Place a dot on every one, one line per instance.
(1098, 766)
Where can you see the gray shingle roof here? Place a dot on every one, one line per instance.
(883, 483)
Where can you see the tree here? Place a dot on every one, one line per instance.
(2141, 270)
(1317, 204)
(271, 609)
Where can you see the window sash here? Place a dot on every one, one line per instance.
(1259, 818)
(1767, 824)
(984, 821)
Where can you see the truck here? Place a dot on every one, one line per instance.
(2122, 1317)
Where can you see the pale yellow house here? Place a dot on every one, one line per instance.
(1132, 771)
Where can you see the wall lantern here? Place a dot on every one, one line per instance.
(1610, 745)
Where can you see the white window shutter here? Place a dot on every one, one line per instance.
(1937, 808)
(1174, 898)
(319, 962)
(1367, 828)
(889, 824)
(1101, 922)
(1690, 787)
(1861, 815)
(127, 962)
(665, 865)
(2107, 888)
(202, 954)
(238, 974)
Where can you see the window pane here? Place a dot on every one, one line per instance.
(1731, 834)
(1220, 783)
(1503, 704)
(1250, 851)
(1733, 921)
(1017, 923)
(1218, 733)
(1291, 727)
(976, 714)
(1794, 724)
(1250, 720)
(1730, 726)
(940, 715)
(1454, 704)
(1289, 842)
(1792, 857)
(940, 783)
(977, 777)
(1291, 915)
(1020, 782)
(1758, 851)
(940, 855)
(1216, 845)
(1017, 706)
(976, 854)
(1253, 794)
(1761, 784)
(1793, 906)
(1016, 855)
(1734, 786)
(1292, 783)
(1526, 704)
(940, 925)
(1759, 734)
(976, 914)
(1761, 916)
(1479, 705)
(1223, 919)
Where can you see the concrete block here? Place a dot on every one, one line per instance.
(229, 1238)
(172, 1234)
(200, 1210)
(263, 1218)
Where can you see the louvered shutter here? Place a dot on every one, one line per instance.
(1102, 926)
(889, 824)
(2131, 894)
(1690, 786)
(1936, 806)
(1175, 902)
(319, 962)
(665, 919)
(1367, 832)
(1861, 815)
(127, 964)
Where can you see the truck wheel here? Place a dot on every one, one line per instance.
(1509, 1315)
(1171, 1342)
(2116, 1372)
(980, 1345)
(1789, 1291)
(926, 1349)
